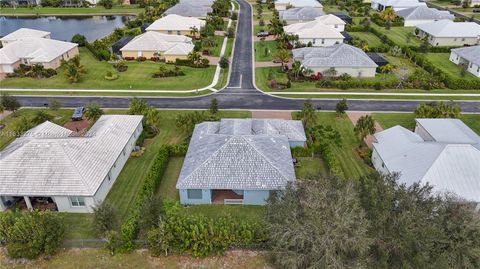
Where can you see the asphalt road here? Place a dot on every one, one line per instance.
(240, 92)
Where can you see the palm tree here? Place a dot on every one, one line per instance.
(364, 126)
(297, 69)
(194, 57)
(388, 15)
(308, 115)
(36, 71)
(194, 31)
(93, 112)
(385, 69)
(73, 69)
(208, 42)
(282, 55)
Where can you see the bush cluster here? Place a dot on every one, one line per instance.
(205, 63)
(168, 72)
(35, 71)
(201, 236)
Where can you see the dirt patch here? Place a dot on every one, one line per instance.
(78, 127)
(272, 114)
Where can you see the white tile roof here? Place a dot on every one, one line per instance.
(330, 19)
(448, 167)
(471, 54)
(313, 29)
(46, 162)
(188, 10)
(300, 13)
(399, 3)
(23, 33)
(206, 3)
(174, 22)
(154, 41)
(339, 55)
(424, 13)
(449, 131)
(241, 154)
(447, 28)
(38, 50)
(300, 3)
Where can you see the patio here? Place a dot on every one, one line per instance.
(226, 197)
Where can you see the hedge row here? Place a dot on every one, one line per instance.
(129, 229)
(330, 159)
(359, 83)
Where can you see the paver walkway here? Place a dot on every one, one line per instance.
(354, 116)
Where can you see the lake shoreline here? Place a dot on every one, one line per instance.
(68, 14)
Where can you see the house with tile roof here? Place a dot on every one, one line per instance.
(23, 33)
(449, 33)
(419, 15)
(239, 161)
(343, 58)
(469, 57)
(153, 44)
(299, 14)
(189, 10)
(30, 47)
(49, 163)
(443, 153)
(316, 33)
(396, 5)
(283, 4)
(174, 24)
(474, 3)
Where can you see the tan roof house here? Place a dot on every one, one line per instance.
(174, 24)
(23, 33)
(35, 50)
(154, 44)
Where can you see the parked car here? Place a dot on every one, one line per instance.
(263, 34)
(78, 113)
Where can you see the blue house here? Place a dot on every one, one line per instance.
(239, 161)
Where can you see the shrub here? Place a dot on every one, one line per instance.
(168, 72)
(223, 62)
(81, 40)
(29, 234)
(104, 218)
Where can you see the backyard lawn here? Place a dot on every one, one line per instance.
(310, 167)
(371, 39)
(399, 35)
(442, 61)
(117, 9)
(407, 120)
(138, 76)
(264, 50)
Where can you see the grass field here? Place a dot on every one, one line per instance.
(99, 258)
(399, 35)
(407, 120)
(371, 39)
(310, 167)
(7, 135)
(138, 76)
(118, 9)
(441, 60)
(265, 50)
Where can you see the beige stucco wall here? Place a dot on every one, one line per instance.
(172, 58)
(8, 68)
(451, 41)
(146, 54)
(55, 63)
(354, 72)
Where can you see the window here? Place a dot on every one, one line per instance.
(169, 32)
(314, 40)
(179, 33)
(454, 39)
(463, 39)
(194, 194)
(336, 25)
(323, 41)
(77, 201)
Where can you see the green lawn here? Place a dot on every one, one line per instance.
(167, 189)
(442, 61)
(61, 116)
(78, 225)
(371, 39)
(215, 51)
(229, 48)
(138, 76)
(407, 120)
(310, 167)
(101, 258)
(399, 35)
(119, 9)
(264, 50)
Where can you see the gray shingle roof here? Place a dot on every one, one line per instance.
(300, 13)
(471, 54)
(188, 10)
(54, 164)
(244, 154)
(424, 13)
(339, 55)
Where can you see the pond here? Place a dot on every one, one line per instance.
(64, 27)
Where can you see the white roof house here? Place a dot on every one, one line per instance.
(300, 14)
(344, 58)
(422, 14)
(449, 33)
(158, 42)
(282, 4)
(444, 153)
(396, 5)
(23, 33)
(332, 20)
(316, 32)
(174, 22)
(469, 56)
(206, 3)
(35, 49)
